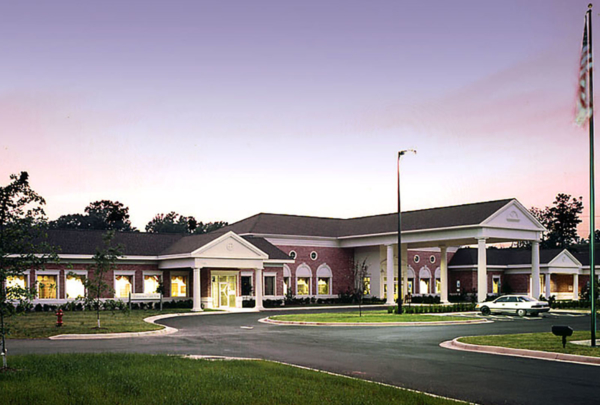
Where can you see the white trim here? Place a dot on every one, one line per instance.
(270, 274)
(198, 252)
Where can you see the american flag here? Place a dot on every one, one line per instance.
(584, 105)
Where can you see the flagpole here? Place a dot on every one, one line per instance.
(592, 202)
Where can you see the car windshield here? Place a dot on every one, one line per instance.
(526, 299)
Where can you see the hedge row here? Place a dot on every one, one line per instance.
(433, 309)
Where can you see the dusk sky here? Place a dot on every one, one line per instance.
(222, 110)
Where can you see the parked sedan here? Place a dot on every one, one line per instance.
(519, 304)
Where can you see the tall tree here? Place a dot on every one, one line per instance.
(102, 215)
(560, 220)
(176, 223)
(22, 246)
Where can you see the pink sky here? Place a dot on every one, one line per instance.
(224, 109)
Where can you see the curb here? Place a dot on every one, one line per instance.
(531, 354)
(378, 324)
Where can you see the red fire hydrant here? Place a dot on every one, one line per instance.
(59, 315)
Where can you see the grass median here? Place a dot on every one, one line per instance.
(545, 342)
(161, 379)
(36, 325)
(367, 317)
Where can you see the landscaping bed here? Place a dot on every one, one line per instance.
(545, 342)
(160, 379)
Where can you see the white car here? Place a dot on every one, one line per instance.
(520, 304)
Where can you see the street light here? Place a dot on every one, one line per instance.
(400, 154)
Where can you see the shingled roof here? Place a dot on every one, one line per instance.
(432, 218)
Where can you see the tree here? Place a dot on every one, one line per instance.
(22, 247)
(104, 261)
(560, 220)
(358, 274)
(101, 215)
(176, 223)
(171, 223)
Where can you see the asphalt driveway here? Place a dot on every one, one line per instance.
(403, 356)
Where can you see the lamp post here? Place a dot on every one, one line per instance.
(400, 154)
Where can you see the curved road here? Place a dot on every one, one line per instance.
(403, 356)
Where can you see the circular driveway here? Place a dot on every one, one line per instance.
(404, 356)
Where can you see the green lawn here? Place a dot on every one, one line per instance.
(161, 379)
(545, 342)
(35, 325)
(367, 317)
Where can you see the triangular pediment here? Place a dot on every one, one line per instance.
(514, 216)
(565, 260)
(230, 246)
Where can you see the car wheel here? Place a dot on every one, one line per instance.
(521, 312)
(485, 311)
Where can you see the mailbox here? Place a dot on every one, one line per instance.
(562, 331)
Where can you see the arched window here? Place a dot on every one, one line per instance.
(424, 280)
(303, 280)
(287, 277)
(410, 276)
(438, 281)
(324, 277)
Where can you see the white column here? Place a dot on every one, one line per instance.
(258, 288)
(197, 299)
(548, 292)
(575, 286)
(404, 263)
(390, 275)
(444, 274)
(481, 270)
(535, 269)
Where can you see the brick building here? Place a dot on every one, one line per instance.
(314, 257)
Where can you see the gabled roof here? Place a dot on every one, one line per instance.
(86, 242)
(432, 218)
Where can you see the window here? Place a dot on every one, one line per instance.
(411, 282)
(417, 259)
(286, 285)
(432, 259)
(503, 299)
(367, 285)
(323, 285)
(457, 285)
(179, 286)
(14, 284)
(438, 286)
(123, 286)
(313, 255)
(293, 254)
(151, 284)
(74, 286)
(47, 287)
(495, 285)
(303, 285)
(269, 285)
(424, 286)
(395, 287)
(246, 285)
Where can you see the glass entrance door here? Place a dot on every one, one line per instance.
(224, 291)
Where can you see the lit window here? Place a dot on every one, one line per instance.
(46, 287)
(123, 286)
(410, 285)
(286, 285)
(313, 255)
(457, 285)
(151, 284)
(74, 286)
(417, 259)
(323, 284)
(438, 286)
(303, 283)
(15, 284)
(496, 285)
(424, 286)
(395, 287)
(179, 286)
(269, 285)
(367, 285)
